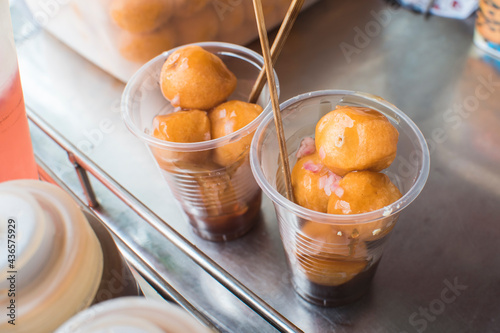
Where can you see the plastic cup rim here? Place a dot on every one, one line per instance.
(363, 218)
(126, 109)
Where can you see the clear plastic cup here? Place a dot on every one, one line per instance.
(133, 314)
(221, 203)
(333, 258)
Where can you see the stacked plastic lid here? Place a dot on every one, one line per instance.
(53, 267)
(57, 261)
(133, 315)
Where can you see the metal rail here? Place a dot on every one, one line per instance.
(129, 250)
(84, 165)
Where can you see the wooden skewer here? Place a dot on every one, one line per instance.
(279, 42)
(268, 65)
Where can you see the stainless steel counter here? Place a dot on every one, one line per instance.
(440, 271)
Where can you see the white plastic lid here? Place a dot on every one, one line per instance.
(133, 315)
(58, 262)
(31, 235)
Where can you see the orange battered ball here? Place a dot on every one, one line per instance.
(143, 47)
(185, 8)
(140, 16)
(331, 272)
(181, 126)
(193, 78)
(329, 258)
(317, 238)
(217, 193)
(227, 118)
(231, 18)
(312, 183)
(355, 138)
(362, 192)
(203, 26)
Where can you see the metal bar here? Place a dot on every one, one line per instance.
(83, 177)
(163, 287)
(130, 251)
(223, 277)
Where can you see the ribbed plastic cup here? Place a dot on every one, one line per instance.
(222, 203)
(133, 315)
(333, 258)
